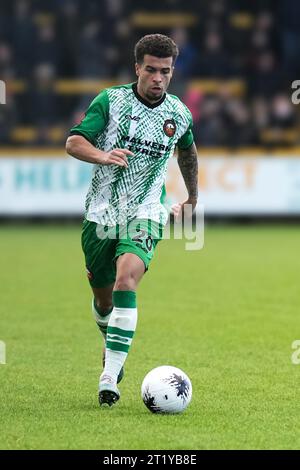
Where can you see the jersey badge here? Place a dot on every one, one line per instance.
(169, 127)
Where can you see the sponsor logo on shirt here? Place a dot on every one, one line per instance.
(132, 118)
(146, 147)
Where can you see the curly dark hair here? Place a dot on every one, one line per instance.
(157, 45)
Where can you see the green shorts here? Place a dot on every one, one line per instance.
(102, 245)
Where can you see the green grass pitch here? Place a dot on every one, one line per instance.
(226, 315)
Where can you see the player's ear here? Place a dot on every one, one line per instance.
(137, 69)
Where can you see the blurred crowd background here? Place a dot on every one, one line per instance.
(238, 59)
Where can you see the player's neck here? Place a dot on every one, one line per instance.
(144, 99)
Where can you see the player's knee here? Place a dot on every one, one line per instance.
(125, 282)
(103, 305)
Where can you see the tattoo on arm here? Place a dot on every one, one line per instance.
(188, 164)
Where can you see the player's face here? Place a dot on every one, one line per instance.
(154, 76)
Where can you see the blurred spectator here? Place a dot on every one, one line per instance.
(209, 129)
(7, 119)
(239, 129)
(282, 131)
(261, 113)
(187, 56)
(22, 34)
(68, 28)
(5, 19)
(46, 45)
(6, 65)
(289, 22)
(92, 60)
(262, 36)
(265, 75)
(213, 59)
(282, 112)
(42, 103)
(121, 56)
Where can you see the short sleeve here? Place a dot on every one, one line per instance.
(95, 120)
(187, 138)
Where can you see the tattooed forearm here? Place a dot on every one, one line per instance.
(188, 164)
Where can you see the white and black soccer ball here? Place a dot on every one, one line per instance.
(166, 389)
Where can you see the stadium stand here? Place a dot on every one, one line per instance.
(237, 62)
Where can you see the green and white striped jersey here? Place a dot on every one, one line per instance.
(120, 118)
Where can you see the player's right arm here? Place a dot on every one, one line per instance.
(77, 146)
(81, 143)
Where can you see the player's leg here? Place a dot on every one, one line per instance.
(134, 251)
(133, 254)
(121, 325)
(102, 307)
(99, 254)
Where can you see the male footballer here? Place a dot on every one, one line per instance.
(129, 132)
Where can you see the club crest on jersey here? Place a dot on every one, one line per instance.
(169, 127)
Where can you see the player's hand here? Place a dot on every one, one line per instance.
(186, 207)
(115, 157)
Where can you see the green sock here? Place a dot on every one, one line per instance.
(120, 331)
(102, 318)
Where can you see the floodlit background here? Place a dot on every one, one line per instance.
(228, 315)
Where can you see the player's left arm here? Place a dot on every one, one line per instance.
(188, 164)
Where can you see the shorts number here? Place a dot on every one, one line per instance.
(141, 237)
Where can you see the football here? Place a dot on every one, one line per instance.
(166, 389)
